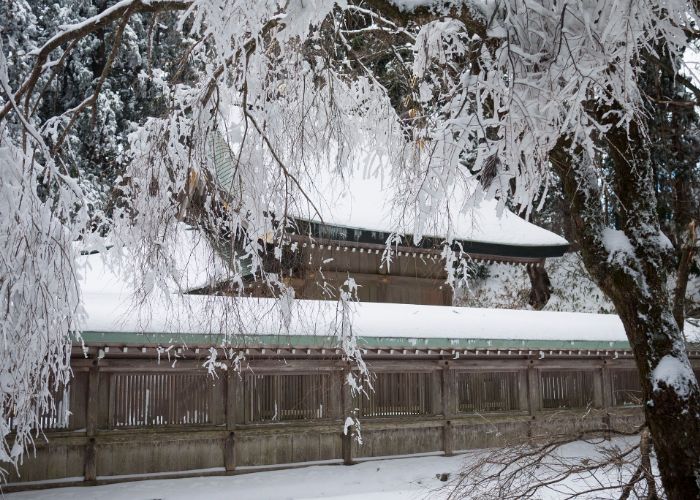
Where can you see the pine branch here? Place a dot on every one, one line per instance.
(91, 101)
(80, 30)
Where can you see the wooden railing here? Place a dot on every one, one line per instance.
(131, 416)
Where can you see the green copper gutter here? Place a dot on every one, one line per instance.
(167, 339)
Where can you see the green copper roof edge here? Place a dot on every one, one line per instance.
(329, 341)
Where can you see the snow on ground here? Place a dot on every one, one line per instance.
(409, 478)
(412, 478)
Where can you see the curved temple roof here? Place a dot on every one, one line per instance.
(365, 203)
(360, 208)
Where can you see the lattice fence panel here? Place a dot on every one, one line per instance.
(154, 399)
(626, 388)
(273, 398)
(396, 394)
(566, 389)
(482, 392)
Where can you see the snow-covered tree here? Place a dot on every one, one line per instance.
(490, 99)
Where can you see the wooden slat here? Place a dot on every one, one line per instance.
(626, 388)
(154, 399)
(566, 389)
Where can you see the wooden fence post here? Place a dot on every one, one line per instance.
(606, 396)
(599, 377)
(533, 391)
(233, 397)
(335, 393)
(348, 433)
(607, 385)
(347, 437)
(448, 438)
(90, 461)
(523, 391)
(449, 396)
(231, 393)
(230, 452)
(448, 391)
(92, 410)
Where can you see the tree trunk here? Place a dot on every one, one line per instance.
(687, 252)
(540, 286)
(631, 267)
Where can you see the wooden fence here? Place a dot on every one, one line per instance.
(131, 416)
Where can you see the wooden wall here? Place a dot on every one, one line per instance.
(411, 277)
(137, 417)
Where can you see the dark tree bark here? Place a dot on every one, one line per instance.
(687, 252)
(540, 285)
(636, 284)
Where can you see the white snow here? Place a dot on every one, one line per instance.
(364, 200)
(508, 286)
(196, 265)
(404, 479)
(110, 312)
(410, 5)
(692, 331)
(674, 373)
(349, 422)
(109, 306)
(616, 242)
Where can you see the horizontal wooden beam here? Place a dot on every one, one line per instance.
(407, 251)
(184, 356)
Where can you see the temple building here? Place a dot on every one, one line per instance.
(195, 382)
(342, 228)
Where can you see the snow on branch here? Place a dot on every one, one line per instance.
(68, 34)
(674, 373)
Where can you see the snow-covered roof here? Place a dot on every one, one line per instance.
(195, 314)
(365, 202)
(244, 321)
(195, 265)
(109, 307)
(109, 304)
(365, 198)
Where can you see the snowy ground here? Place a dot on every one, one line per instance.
(406, 479)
